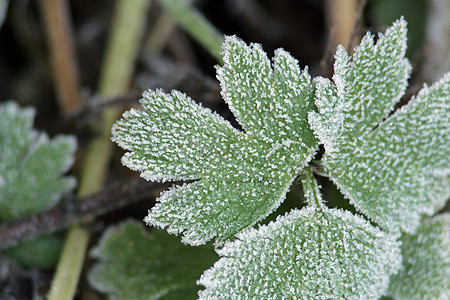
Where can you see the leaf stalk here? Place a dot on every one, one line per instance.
(311, 189)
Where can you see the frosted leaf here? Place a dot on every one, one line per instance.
(328, 122)
(373, 81)
(134, 264)
(243, 177)
(365, 89)
(31, 165)
(174, 138)
(277, 96)
(307, 254)
(236, 205)
(425, 273)
(393, 170)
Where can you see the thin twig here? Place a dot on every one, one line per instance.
(76, 210)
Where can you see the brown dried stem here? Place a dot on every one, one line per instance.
(343, 19)
(63, 62)
(76, 210)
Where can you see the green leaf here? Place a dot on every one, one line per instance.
(31, 165)
(31, 168)
(425, 273)
(243, 177)
(365, 89)
(42, 253)
(139, 265)
(312, 253)
(396, 170)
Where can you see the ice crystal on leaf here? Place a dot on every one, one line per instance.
(31, 165)
(425, 273)
(134, 264)
(393, 168)
(313, 253)
(242, 176)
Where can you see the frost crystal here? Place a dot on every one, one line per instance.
(425, 273)
(393, 170)
(31, 165)
(242, 177)
(307, 254)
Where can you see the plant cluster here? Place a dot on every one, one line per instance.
(393, 166)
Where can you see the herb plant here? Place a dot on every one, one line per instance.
(393, 166)
(31, 165)
(31, 179)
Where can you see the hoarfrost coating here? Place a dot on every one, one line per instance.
(394, 169)
(307, 254)
(243, 176)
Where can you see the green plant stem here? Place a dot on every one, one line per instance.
(196, 25)
(98, 155)
(311, 189)
(69, 269)
(124, 42)
(128, 24)
(121, 52)
(160, 33)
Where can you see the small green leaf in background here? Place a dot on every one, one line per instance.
(384, 12)
(31, 181)
(31, 165)
(312, 253)
(394, 169)
(134, 264)
(42, 252)
(243, 177)
(425, 273)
